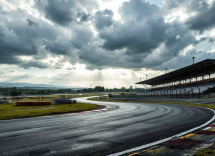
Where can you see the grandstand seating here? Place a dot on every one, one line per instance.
(192, 81)
(182, 91)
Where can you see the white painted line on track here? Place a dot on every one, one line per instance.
(206, 128)
(167, 139)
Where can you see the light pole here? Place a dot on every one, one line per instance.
(193, 59)
(166, 70)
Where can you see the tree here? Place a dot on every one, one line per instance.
(14, 92)
(38, 92)
(99, 89)
(123, 88)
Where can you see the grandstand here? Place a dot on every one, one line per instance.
(193, 81)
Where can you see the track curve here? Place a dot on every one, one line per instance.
(99, 133)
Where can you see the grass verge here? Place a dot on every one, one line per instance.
(210, 151)
(11, 111)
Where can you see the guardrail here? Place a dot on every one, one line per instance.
(179, 93)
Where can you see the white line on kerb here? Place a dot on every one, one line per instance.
(164, 140)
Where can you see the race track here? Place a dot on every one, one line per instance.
(98, 133)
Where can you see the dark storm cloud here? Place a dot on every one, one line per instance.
(201, 12)
(206, 39)
(137, 38)
(35, 64)
(59, 11)
(142, 38)
(178, 37)
(82, 37)
(60, 47)
(11, 43)
(204, 17)
(83, 17)
(103, 19)
(142, 29)
(30, 22)
(8, 59)
(142, 32)
(64, 12)
(25, 35)
(19, 38)
(95, 56)
(212, 40)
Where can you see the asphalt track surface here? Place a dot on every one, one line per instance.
(98, 133)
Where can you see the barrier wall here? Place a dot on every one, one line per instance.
(5, 101)
(63, 101)
(41, 97)
(28, 103)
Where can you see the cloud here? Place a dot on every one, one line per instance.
(135, 36)
(204, 15)
(78, 32)
(30, 22)
(200, 13)
(21, 38)
(143, 39)
(59, 46)
(83, 17)
(35, 64)
(138, 10)
(103, 19)
(186, 59)
(11, 71)
(82, 37)
(65, 12)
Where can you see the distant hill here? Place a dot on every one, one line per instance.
(37, 86)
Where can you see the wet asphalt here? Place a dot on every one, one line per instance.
(98, 133)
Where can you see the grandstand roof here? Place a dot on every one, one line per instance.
(202, 68)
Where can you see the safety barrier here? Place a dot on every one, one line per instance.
(4, 101)
(161, 95)
(63, 101)
(28, 103)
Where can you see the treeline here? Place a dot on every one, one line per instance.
(123, 89)
(20, 91)
(102, 89)
(96, 89)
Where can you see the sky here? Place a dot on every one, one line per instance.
(102, 42)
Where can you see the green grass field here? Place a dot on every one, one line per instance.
(11, 111)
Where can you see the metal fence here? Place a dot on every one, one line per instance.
(167, 94)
